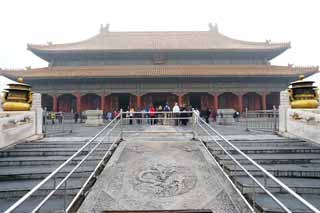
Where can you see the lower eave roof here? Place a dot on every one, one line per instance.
(160, 71)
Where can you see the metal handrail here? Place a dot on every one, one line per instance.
(228, 178)
(96, 169)
(118, 120)
(264, 171)
(52, 174)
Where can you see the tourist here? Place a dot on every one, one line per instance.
(160, 115)
(176, 111)
(139, 115)
(184, 115)
(109, 116)
(76, 117)
(236, 116)
(81, 117)
(166, 110)
(197, 115)
(146, 115)
(52, 117)
(115, 113)
(207, 115)
(125, 115)
(60, 117)
(131, 115)
(152, 114)
(214, 115)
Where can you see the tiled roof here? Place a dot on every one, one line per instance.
(168, 40)
(162, 71)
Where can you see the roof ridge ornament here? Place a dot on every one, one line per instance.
(104, 29)
(213, 28)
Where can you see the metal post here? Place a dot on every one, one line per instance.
(54, 182)
(65, 197)
(194, 117)
(247, 124)
(254, 194)
(121, 125)
(274, 119)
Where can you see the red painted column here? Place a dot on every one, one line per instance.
(240, 105)
(215, 102)
(264, 101)
(138, 102)
(54, 103)
(180, 100)
(78, 97)
(102, 97)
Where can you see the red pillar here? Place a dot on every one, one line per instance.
(215, 102)
(240, 105)
(78, 97)
(138, 102)
(54, 103)
(102, 103)
(264, 101)
(180, 100)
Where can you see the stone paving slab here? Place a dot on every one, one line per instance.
(157, 174)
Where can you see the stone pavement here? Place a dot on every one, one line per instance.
(162, 171)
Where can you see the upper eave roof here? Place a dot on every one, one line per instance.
(211, 40)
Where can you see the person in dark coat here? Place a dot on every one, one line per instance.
(207, 115)
(76, 117)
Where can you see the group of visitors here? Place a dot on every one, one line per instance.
(52, 116)
(161, 115)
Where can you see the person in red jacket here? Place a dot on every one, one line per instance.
(152, 114)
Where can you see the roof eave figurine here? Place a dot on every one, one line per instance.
(18, 97)
(303, 95)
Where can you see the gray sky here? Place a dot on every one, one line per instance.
(60, 21)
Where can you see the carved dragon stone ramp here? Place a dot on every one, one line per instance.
(155, 172)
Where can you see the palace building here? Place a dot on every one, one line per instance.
(204, 69)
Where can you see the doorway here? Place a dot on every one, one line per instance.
(195, 101)
(124, 102)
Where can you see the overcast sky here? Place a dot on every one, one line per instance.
(61, 21)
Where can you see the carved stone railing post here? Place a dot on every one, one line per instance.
(36, 107)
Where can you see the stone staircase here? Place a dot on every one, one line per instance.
(25, 165)
(295, 162)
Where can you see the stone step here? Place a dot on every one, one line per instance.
(279, 170)
(266, 149)
(265, 204)
(299, 185)
(62, 139)
(262, 140)
(290, 158)
(18, 188)
(53, 145)
(54, 204)
(262, 143)
(46, 152)
(32, 172)
(42, 160)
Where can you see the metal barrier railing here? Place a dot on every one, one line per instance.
(264, 120)
(123, 123)
(103, 136)
(211, 133)
(59, 124)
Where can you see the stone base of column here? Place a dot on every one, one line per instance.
(94, 117)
